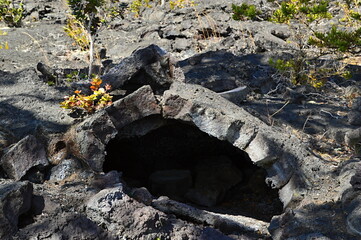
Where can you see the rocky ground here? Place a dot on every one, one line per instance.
(218, 146)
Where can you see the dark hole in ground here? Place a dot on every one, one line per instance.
(182, 162)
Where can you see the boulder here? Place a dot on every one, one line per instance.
(354, 118)
(65, 169)
(142, 195)
(6, 139)
(133, 220)
(353, 139)
(224, 222)
(23, 156)
(139, 104)
(87, 139)
(15, 200)
(148, 66)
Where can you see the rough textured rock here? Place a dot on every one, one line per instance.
(140, 104)
(15, 200)
(6, 139)
(148, 66)
(87, 139)
(353, 138)
(134, 220)
(65, 169)
(226, 121)
(226, 223)
(23, 156)
(142, 195)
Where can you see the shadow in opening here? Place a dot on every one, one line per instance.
(182, 162)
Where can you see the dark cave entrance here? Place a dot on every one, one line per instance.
(180, 161)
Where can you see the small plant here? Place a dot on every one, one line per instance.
(4, 45)
(301, 72)
(90, 15)
(87, 14)
(137, 5)
(75, 30)
(245, 12)
(10, 13)
(337, 39)
(99, 99)
(301, 10)
(181, 4)
(76, 76)
(285, 13)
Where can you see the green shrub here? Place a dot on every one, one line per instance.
(137, 5)
(304, 10)
(245, 12)
(337, 39)
(90, 16)
(11, 14)
(75, 76)
(285, 13)
(301, 71)
(75, 30)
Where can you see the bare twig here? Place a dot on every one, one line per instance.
(304, 125)
(279, 110)
(336, 117)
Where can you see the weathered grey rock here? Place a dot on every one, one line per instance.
(356, 104)
(108, 180)
(65, 169)
(133, 220)
(353, 138)
(347, 172)
(15, 199)
(352, 91)
(310, 236)
(217, 71)
(140, 104)
(351, 197)
(87, 139)
(173, 183)
(65, 225)
(6, 139)
(142, 195)
(221, 221)
(23, 156)
(310, 219)
(354, 118)
(182, 44)
(147, 66)
(267, 146)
